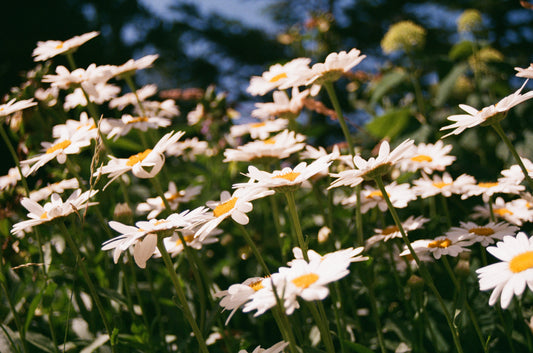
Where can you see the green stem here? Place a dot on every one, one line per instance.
(131, 85)
(15, 158)
(335, 102)
(498, 128)
(181, 295)
(421, 266)
(296, 223)
(375, 313)
(465, 302)
(74, 247)
(318, 313)
(252, 246)
(20, 328)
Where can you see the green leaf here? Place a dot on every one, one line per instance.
(9, 340)
(40, 341)
(387, 82)
(31, 310)
(356, 347)
(390, 124)
(461, 50)
(448, 83)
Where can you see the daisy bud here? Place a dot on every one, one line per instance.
(123, 213)
(323, 234)
(415, 282)
(462, 269)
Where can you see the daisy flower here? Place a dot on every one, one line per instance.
(188, 148)
(399, 195)
(515, 175)
(285, 179)
(427, 157)
(393, 231)
(259, 130)
(485, 115)
(130, 66)
(59, 149)
(164, 109)
(154, 206)
(59, 187)
(238, 294)
(99, 93)
(50, 48)
(174, 245)
(277, 348)
(515, 212)
(445, 185)
(14, 106)
(55, 208)
(276, 75)
(85, 127)
(143, 236)
(486, 234)
(487, 189)
(373, 167)
(509, 276)
(526, 73)
(114, 128)
(11, 178)
(282, 106)
(234, 205)
(335, 65)
(280, 146)
(441, 245)
(130, 99)
(87, 78)
(144, 164)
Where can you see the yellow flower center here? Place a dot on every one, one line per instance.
(290, 176)
(375, 193)
(306, 280)
(487, 185)
(390, 230)
(269, 141)
(444, 243)
(173, 197)
(502, 212)
(136, 158)
(440, 184)
(140, 119)
(59, 146)
(59, 46)
(257, 285)
(278, 77)
(224, 207)
(88, 126)
(187, 238)
(44, 215)
(484, 231)
(521, 262)
(421, 158)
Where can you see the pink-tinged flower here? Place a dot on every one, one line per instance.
(477, 117)
(373, 167)
(510, 276)
(50, 48)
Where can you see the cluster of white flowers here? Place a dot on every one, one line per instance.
(301, 279)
